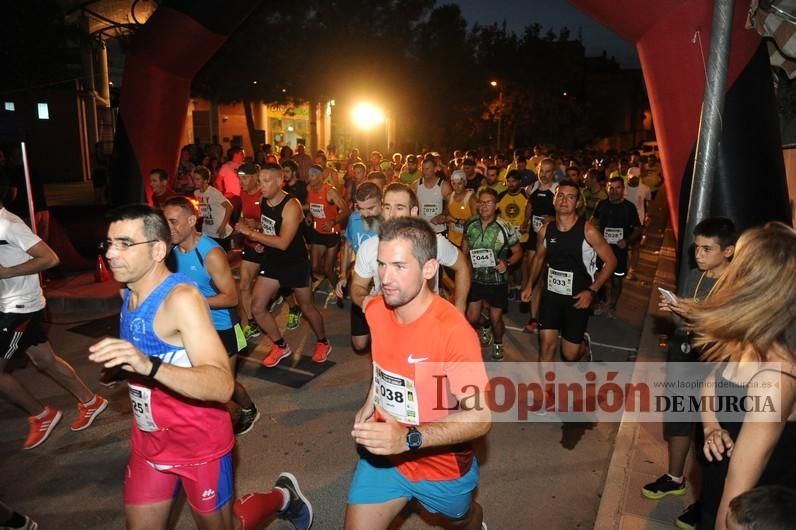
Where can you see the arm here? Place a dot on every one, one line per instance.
(360, 288)
(536, 264)
(603, 250)
(756, 441)
(43, 258)
(291, 219)
(182, 317)
(335, 198)
(227, 212)
(345, 260)
(218, 268)
(516, 257)
(461, 282)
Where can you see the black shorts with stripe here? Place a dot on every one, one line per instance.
(20, 331)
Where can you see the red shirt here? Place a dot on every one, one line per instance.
(250, 209)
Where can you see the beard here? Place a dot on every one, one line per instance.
(372, 222)
(401, 297)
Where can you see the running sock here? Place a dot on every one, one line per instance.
(324, 340)
(91, 401)
(678, 480)
(42, 415)
(281, 343)
(253, 508)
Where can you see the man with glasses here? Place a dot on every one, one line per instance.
(179, 381)
(23, 255)
(493, 248)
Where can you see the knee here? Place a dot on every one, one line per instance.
(41, 356)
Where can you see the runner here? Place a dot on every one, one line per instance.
(400, 201)
(618, 222)
(285, 264)
(362, 225)
(23, 255)
(461, 207)
(540, 196)
(298, 188)
(179, 381)
(492, 181)
(214, 209)
(205, 262)
(493, 247)
(566, 251)
(328, 212)
(251, 252)
(408, 455)
(514, 209)
(432, 192)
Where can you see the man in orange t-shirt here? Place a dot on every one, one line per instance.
(427, 367)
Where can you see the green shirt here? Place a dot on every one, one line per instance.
(409, 178)
(488, 246)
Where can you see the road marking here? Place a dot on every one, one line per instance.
(286, 368)
(593, 343)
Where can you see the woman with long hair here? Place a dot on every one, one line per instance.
(745, 323)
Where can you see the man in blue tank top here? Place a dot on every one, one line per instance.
(205, 262)
(179, 381)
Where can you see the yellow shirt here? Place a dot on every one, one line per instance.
(512, 210)
(461, 211)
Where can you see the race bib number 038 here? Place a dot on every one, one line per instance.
(559, 282)
(141, 400)
(396, 394)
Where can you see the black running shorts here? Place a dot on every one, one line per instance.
(296, 276)
(558, 312)
(20, 331)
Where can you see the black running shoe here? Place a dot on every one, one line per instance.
(248, 417)
(663, 487)
(299, 509)
(690, 518)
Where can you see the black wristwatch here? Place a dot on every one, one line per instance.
(156, 362)
(414, 439)
(592, 291)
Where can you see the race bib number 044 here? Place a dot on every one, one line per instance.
(396, 394)
(482, 257)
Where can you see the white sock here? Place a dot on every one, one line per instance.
(43, 413)
(286, 501)
(679, 480)
(91, 401)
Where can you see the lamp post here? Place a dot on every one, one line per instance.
(366, 116)
(499, 113)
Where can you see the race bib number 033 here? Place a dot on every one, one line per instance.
(396, 394)
(559, 282)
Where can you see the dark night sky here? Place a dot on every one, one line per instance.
(550, 13)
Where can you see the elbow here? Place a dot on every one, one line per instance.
(54, 261)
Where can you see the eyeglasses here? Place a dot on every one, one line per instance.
(484, 203)
(121, 244)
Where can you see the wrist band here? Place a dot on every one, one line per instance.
(592, 291)
(156, 362)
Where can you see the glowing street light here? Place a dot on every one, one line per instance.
(366, 115)
(493, 83)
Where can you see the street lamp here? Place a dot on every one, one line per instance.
(494, 83)
(367, 115)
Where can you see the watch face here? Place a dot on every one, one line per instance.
(414, 440)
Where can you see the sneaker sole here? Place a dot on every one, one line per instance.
(46, 436)
(251, 425)
(294, 482)
(287, 353)
(684, 526)
(325, 357)
(93, 417)
(658, 495)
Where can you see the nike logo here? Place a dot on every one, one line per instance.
(415, 360)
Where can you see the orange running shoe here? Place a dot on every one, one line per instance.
(276, 355)
(321, 353)
(88, 413)
(39, 429)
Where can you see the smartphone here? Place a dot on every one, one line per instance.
(668, 295)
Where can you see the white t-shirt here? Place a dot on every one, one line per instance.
(366, 265)
(228, 182)
(638, 196)
(20, 294)
(211, 209)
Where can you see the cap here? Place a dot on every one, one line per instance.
(248, 169)
(411, 158)
(468, 162)
(458, 175)
(315, 169)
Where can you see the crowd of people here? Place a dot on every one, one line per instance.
(429, 251)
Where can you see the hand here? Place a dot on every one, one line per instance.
(584, 299)
(717, 443)
(387, 437)
(117, 352)
(325, 226)
(365, 414)
(243, 228)
(526, 293)
(338, 289)
(501, 266)
(439, 219)
(664, 304)
(621, 243)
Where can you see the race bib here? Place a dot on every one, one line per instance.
(396, 394)
(482, 257)
(613, 235)
(141, 400)
(559, 282)
(317, 210)
(269, 225)
(204, 210)
(430, 210)
(537, 221)
(458, 228)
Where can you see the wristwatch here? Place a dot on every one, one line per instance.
(414, 439)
